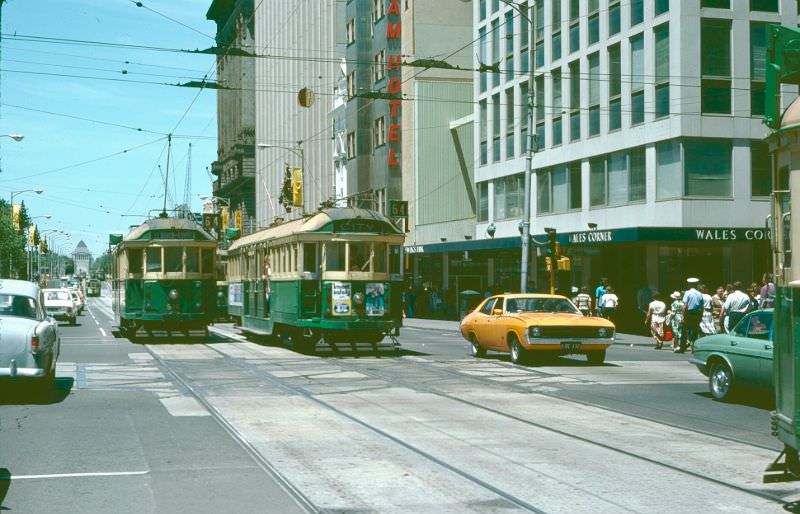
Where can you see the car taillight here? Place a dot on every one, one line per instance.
(35, 343)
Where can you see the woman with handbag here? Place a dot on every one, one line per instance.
(656, 315)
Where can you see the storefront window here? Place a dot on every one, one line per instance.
(173, 260)
(154, 260)
(334, 256)
(192, 260)
(707, 167)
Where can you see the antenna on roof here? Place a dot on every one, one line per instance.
(166, 177)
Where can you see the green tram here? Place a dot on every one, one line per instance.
(164, 278)
(332, 279)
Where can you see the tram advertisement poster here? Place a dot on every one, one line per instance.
(374, 302)
(235, 296)
(342, 303)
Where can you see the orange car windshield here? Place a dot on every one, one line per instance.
(520, 305)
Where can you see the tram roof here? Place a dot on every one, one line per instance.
(327, 220)
(168, 228)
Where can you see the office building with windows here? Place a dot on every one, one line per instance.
(649, 158)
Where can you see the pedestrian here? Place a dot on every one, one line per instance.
(675, 320)
(609, 303)
(692, 312)
(707, 325)
(736, 306)
(412, 298)
(656, 315)
(584, 301)
(716, 309)
(599, 291)
(767, 292)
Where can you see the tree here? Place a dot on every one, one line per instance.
(12, 245)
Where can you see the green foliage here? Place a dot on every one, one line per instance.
(12, 245)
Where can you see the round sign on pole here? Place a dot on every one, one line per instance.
(306, 97)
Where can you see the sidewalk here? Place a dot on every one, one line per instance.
(452, 326)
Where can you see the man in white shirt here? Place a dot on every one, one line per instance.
(736, 305)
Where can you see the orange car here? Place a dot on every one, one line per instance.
(534, 325)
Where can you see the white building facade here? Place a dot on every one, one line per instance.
(648, 116)
(82, 258)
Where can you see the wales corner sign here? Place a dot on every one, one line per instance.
(699, 234)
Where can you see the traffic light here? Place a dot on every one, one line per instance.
(43, 246)
(548, 263)
(564, 264)
(238, 220)
(16, 217)
(31, 234)
(297, 187)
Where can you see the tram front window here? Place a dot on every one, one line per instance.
(394, 259)
(379, 263)
(359, 256)
(135, 260)
(173, 260)
(154, 260)
(334, 256)
(192, 260)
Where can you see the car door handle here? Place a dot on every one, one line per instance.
(734, 343)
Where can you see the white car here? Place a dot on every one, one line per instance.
(76, 298)
(59, 304)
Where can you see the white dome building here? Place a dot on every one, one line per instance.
(82, 258)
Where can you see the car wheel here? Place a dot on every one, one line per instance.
(477, 349)
(596, 357)
(720, 381)
(517, 351)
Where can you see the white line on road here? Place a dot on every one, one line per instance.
(75, 475)
(97, 322)
(102, 331)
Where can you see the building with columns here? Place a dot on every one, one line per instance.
(82, 258)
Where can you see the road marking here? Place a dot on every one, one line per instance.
(97, 322)
(103, 332)
(75, 475)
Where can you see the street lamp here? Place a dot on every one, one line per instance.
(15, 193)
(297, 150)
(15, 137)
(526, 210)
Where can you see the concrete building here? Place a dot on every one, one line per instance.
(82, 258)
(235, 167)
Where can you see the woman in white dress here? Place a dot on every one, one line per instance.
(707, 325)
(656, 314)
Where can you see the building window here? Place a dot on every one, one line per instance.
(379, 132)
(510, 45)
(719, 4)
(484, 130)
(764, 5)
(661, 36)
(510, 123)
(524, 38)
(543, 192)
(483, 55)
(637, 12)
(637, 80)
(351, 85)
(715, 66)
(558, 130)
(483, 201)
(351, 31)
(539, 34)
(379, 66)
(564, 193)
(597, 181)
(540, 103)
(574, 37)
(618, 178)
(669, 183)
(758, 67)
(377, 10)
(482, 10)
(574, 100)
(614, 23)
(594, 94)
(614, 88)
(508, 195)
(760, 175)
(593, 23)
(556, 27)
(557, 105)
(351, 145)
(707, 167)
(496, 53)
(660, 6)
(496, 128)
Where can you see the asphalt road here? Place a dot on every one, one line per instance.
(227, 424)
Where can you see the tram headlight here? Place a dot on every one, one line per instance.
(173, 294)
(358, 298)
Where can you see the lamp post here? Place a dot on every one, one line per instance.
(30, 246)
(297, 150)
(38, 260)
(526, 209)
(15, 137)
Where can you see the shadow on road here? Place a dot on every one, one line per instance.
(762, 401)
(5, 484)
(555, 361)
(25, 392)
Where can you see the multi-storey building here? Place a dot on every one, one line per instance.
(82, 258)
(650, 161)
(235, 167)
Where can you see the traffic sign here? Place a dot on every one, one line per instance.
(398, 208)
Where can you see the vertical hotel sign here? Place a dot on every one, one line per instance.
(394, 86)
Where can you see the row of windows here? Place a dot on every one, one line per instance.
(172, 259)
(689, 167)
(377, 13)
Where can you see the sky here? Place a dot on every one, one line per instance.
(95, 117)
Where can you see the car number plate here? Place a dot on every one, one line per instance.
(570, 347)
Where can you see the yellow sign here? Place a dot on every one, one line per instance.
(16, 212)
(31, 234)
(238, 219)
(224, 215)
(297, 187)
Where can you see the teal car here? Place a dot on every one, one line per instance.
(739, 361)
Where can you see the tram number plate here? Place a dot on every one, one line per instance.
(570, 347)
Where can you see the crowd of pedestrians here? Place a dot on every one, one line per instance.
(694, 313)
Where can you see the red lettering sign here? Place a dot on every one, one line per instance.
(394, 85)
(395, 104)
(394, 133)
(394, 8)
(394, 63)
(393, 30)
(393, 158)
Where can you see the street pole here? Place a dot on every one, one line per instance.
(526, 209)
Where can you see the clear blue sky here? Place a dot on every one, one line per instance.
(67, 81)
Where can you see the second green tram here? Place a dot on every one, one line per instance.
(334, 278)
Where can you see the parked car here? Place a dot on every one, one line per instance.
(60, 305)
(29, 340)
(536, 325)
(77, 299)
(740, 361)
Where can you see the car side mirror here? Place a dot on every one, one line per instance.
(497, 312)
